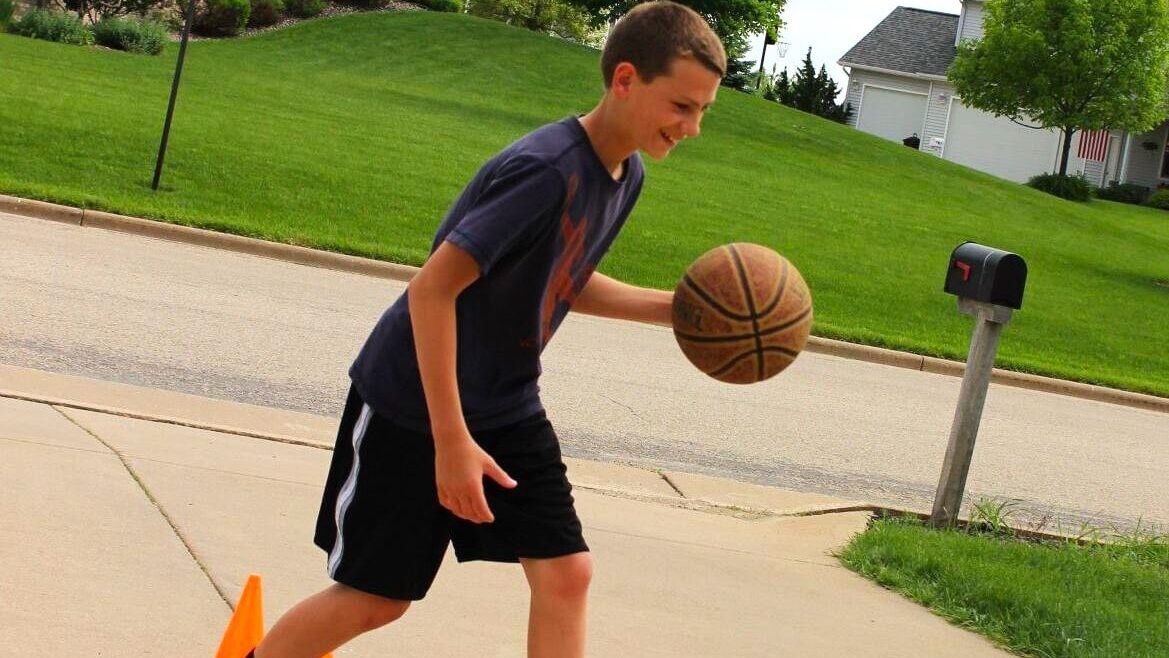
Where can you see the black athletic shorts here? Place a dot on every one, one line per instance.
(381, 522)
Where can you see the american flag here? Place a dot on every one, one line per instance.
(1093, 145)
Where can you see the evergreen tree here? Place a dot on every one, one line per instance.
(780, 88)
(740, 72)
(811, 91)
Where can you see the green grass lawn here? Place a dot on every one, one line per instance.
(1049, 600)
(356, 133)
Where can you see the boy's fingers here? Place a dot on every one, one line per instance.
(467, 512)
(482, 511)
(493, 471)
(454, 505)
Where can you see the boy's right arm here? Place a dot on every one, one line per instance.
(460, 463)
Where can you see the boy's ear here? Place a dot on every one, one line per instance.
(624, 77)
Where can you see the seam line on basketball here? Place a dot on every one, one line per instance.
(706, 297)
(779, 290)
(736, 360)
(737, 337)
(749, 294)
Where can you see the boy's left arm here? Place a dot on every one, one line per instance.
(610, 298)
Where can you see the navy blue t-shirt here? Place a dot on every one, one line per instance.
(537, 218)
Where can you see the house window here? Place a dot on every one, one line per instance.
(1164, 157)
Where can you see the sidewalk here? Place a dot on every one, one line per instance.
(130, 524)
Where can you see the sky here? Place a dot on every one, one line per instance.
(831, 27)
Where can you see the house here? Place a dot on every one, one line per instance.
(898, 88)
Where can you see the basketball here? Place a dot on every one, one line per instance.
(742, 313)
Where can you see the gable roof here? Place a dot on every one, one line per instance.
(908, 40)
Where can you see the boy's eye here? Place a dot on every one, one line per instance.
(682, 106)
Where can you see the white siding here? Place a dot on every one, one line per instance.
(1094, 172)
(1144, 164)
(860, 78)
(936, 116)
(1077, 166)
(971, 21)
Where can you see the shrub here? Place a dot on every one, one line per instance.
(304, 8)
(223, 17)
(131, 35)
(1159, 200)
(366, 4)
(266, 12)
(53, 26)
(7, 7)
(455, 6)
(95, 10)
(1124, 193)
(559, 17)
(1072, 188)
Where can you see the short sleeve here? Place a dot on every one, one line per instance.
(522, 195)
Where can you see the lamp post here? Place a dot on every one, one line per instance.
(174, 92)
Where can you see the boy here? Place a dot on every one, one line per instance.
(444, 411)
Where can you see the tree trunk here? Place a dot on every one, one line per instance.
(1067, 148)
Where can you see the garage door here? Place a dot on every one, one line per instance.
(997, 145)
(891, 114)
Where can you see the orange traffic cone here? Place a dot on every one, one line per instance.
(246, 628)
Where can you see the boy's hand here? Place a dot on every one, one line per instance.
(459, 467)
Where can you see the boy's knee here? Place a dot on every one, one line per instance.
(379, 612)
(369, 611)
(564, 577)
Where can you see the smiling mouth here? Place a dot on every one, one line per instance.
(671, 141)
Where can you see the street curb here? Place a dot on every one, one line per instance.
(370, 267)
(40, 210)
(158, 418)
(1028, 381)
(204, 238)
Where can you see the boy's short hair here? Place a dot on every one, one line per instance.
(653, 34)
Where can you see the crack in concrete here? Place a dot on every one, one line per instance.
(673, 485)
(92, 451)
(157, 505)
(631, 410)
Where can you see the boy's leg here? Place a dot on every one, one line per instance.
(559, 607)
(326, 620)
(383, 528)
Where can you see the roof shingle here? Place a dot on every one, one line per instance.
(908, 40)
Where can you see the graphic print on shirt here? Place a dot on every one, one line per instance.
(563, 286)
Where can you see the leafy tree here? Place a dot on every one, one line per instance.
(1069, 64)
(810, 91)
(560, 17)
(730, 19)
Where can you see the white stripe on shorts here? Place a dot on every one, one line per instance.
(345, 497)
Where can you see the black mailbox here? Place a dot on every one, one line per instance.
(986, 274)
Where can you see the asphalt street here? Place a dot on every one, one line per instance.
(123, 308)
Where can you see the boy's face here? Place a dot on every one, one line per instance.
(669, 109)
